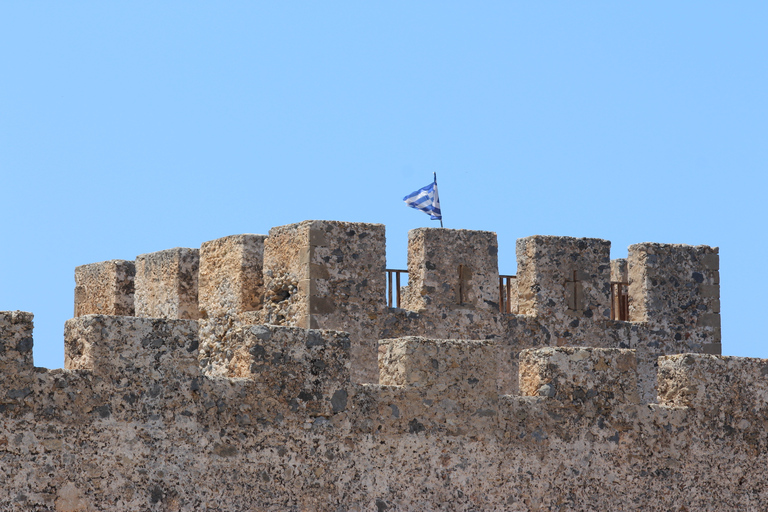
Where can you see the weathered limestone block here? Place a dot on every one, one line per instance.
(738, 385)
(578, 375)
(619, 271)
(286, 263)
(329, 275)
(437, 386)
(452, 269)
(105, 288)
(15, 342)
(564, 278)
(166, 284)
(346, 273)
(455, 368)
(214, 332)
(231, 278)
(306, 369)
(117, 347)
(676, 288)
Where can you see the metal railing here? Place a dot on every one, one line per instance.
(619, 294)
(397, 273)
(619, 301)
(505, 290)
(395, 300)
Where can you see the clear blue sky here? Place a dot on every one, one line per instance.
(128, 128)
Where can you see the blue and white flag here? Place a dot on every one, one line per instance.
(426, 200)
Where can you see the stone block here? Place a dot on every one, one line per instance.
(329, 275)
(287, 284)
(702, 381)
(105, 288)
(307, 369)
(619, 271)
(231, 278)
(674, 288)
(15, 342)
(167, 283)
(452, 269)
(452, 368)
(711, 261)
(119, 347)
(606, 376)
(563, 278)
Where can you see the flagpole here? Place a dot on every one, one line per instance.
(434, 175)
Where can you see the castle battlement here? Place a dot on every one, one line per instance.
(331, 275)
(271, 373)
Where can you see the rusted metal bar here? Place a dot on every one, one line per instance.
(501, 295)
(397, 273)
(505, 293)
(619, 301)
(397, 279)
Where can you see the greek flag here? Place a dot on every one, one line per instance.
(426, 200)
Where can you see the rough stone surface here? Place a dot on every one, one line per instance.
(166, 284)
(619, 271)
(464, 276)
(258, 406)
(604, 375)
(105, 288)
(329, 275)
(444, 367)
(736, 385)
(564, 278)
(230, 275)
(677, 288)
(16, 342)
(295, 434)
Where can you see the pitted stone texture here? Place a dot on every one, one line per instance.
(455, 368)
(676, 289)
(619, 271)
(116, 346)
(321, 274)
(134, 437)
(329, 275)
(452, 269)
(167, 283)
(215, 332)
(274, 424)
(231, 278)
(105, 288)
(738, 385)
(563, 278)
(305, 369)
(286, 263)
(15, 342)
(579, 375)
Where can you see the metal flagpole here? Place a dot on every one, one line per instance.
(434, 175)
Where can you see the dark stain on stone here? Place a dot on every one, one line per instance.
(339, 400)
(24, 345)
(155, 494)
(414, 426)
(104, 411)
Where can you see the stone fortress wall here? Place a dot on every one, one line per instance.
(267, 373)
